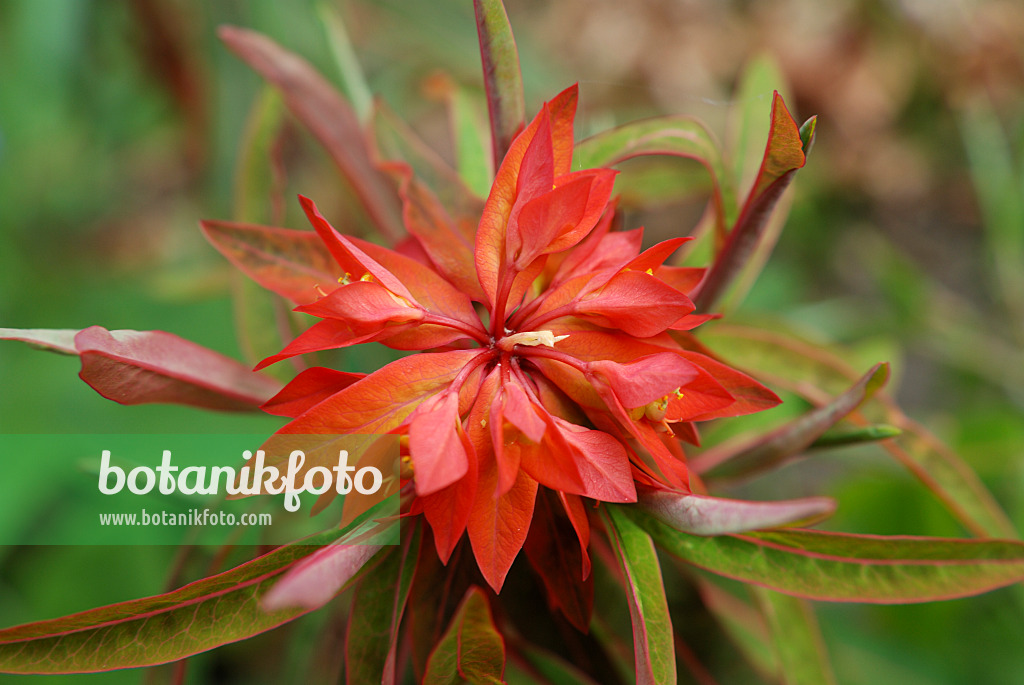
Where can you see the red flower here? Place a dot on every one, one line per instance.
(572, 380)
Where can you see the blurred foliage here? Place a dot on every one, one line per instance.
(120, 127)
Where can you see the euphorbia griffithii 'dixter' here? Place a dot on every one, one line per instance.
(559, 363)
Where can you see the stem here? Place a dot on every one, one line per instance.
(555, 355)
(498, 321)
(476, 334)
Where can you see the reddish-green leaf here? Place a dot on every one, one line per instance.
(200, 616)
(139, 367)
(768, 451)
(653, 642)
(471, 650)
(312, 582)
(502, 78)
(848, 568)
(377, 607)
(327, 115)
(674, 136)
(133, 367)
(703, 515)
(290, 263)
(783, 155)
(798, 642)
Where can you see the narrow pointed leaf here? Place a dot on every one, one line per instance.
(653, 643)
(143, 632)
(327, 115)
(502, 78)
(854, 436)
(783, 155)
(377, 609)
(812, 370)
(848, 568)
(799, 645)
(770, 450)
(471, 650)
(703, 515)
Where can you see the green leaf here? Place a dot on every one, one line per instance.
(798, 642)
(200, 616)
(815, 371)
(848, 568)
(675, 136)
(854, 436)
(743, 624)
(653, 643)
(503, 80)
(471, 650)
(783, 155)
(768, 451)
(315, 103)
(999, 186)
(470, 135)
(353, 81)
(553, 668)
(377, 608)
(256, 191)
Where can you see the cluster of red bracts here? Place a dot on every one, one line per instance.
(576, 377)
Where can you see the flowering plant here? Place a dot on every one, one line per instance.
(558, 369)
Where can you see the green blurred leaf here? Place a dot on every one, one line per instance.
(553, 668)
(799, 646)
(848, 568)
(1000, 190)
(353, 81)
(503, 80)
(471, 650)
(653, 643)
(744, 625)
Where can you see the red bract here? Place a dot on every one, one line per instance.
(569, 380)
